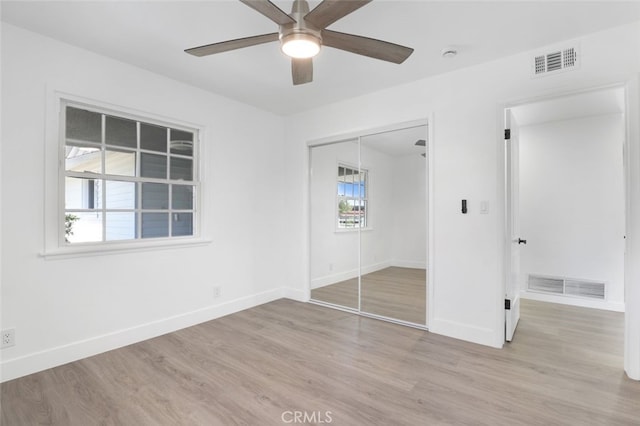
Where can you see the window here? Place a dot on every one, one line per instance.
(353, 193)
(126, 179)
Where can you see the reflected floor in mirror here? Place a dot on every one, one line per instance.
(394, 292)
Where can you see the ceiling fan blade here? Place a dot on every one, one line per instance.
(270, 10)
(329, 11)
(223, 46)
(301, 70)
(366, 46)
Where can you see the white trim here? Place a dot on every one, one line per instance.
(632, 248)
(38, 361)
(632, 197)
(457, 330)
(81, 250)
(347, 275)
(573, 301)
(295, 294)
(431, 301)
(54, 198)
(411, 264)
(356, 134)
(427, 122)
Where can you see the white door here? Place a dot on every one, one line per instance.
(512, 232)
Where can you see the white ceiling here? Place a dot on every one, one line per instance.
(153, 34)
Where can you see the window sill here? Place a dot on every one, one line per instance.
(119, 248)
(350, 230)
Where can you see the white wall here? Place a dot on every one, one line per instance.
(467, 291)
(117, 299)
(409, 200)
(64, 309)
(335, 253)
(572, 201)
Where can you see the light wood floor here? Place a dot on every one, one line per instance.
(563, 368)
(394, 292)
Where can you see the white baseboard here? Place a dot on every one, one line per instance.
(295, 294)
(466, 332)
(333, 278)
(375, 267)
(574, 301)
(17, 367)
(409, 264)
(347, 275)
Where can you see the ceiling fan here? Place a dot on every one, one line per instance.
(303, 32)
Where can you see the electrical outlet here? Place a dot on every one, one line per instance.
(8, 338)
(216, 292)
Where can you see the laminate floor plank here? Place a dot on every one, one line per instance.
(564, 367)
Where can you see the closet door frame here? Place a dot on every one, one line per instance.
(350, 136)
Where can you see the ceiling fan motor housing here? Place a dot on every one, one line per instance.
(300, 30)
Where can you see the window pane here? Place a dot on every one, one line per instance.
(182, 224)
(120, 226)
(83, 125)
(120, 131)
(181, 142)
(83, 227)
(153, 138)
(182, 197)
(363, 186)
(120, 195)
(83, 158)
(82, 193)
(155, 225)
(121, 163)
(153, 166)
(181, 169)
(155, 196)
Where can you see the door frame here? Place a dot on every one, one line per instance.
(357, 134)
(631, 166)
(512, 225)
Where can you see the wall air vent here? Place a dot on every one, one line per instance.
(554, 61)
(567, 287)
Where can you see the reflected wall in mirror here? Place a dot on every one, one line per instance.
(335, 216)
(394, 249)
(368, 213)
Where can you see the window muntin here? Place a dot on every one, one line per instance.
(126, 178)
(352, 197)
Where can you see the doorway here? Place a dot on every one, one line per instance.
(369, 223)
(565, 202)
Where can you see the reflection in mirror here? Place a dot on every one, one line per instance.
(394, 244)
(336, 215)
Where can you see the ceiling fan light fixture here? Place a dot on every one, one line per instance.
(300, 45)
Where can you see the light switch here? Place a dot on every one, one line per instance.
(484, 207)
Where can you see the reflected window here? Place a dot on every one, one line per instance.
(352, 197)
(126, 178)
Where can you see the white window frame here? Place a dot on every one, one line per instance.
(55, 245)
(365, 199)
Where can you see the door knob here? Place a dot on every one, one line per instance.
(521, 241)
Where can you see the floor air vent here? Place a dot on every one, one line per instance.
(567, 287)
(558, 60)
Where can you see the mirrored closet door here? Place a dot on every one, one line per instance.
(368, 200)
(335, 218)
